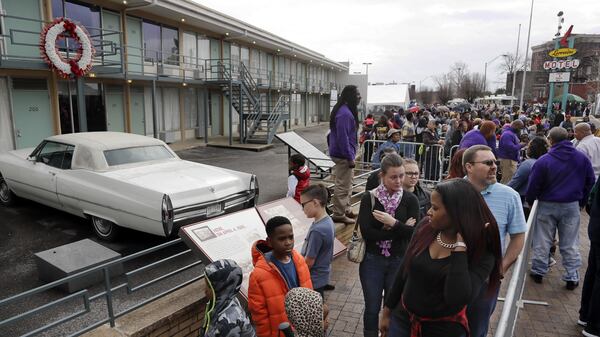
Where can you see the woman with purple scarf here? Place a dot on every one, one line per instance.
(387, 218)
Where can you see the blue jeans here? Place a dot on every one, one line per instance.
(377, 274)
(480, 311)
(564, 218)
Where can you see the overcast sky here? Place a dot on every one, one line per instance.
(408, 41)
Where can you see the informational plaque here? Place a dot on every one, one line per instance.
(309, 151)
(230, 236)
(291, 209)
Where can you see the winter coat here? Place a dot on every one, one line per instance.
(564, 174)
(267, 290)
(301, 173)
(474, 137)
(343, 139)
(509, 146)
(224, 315)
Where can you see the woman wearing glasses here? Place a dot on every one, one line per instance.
(447, 262)
(411, 184)
(387, 217)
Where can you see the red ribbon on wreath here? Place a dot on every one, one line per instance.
(70, 27)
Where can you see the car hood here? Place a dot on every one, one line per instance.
(185, 182)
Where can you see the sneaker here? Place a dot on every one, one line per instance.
(536, 278)
(551, 262)
(342, 219)
(582, 323)
(590, 332)
(571, 285)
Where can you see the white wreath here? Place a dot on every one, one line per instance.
(84, 62)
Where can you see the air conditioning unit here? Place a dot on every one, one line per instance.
(169, 136)
(199, 73)
(296, 86)
(285, 85)
(259, 81)
(165, 70)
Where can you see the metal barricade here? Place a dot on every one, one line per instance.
(106, 302)
(514, 294)
(430, 158)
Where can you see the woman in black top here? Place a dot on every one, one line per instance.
(387, 217)
(450, 257)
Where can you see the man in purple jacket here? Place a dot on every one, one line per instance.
(343, 126)
(508, 150)
(561, 181)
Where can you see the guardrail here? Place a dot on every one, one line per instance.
(513, 300)
(107, 294)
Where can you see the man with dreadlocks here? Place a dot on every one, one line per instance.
(224, 316)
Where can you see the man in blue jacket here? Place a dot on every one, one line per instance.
(343, 126)
(509, 149)
(561, 181)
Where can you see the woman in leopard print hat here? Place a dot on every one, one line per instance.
(305, 310)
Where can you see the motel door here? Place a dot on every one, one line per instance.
(31, 111)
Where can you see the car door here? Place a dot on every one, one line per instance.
(41, 183)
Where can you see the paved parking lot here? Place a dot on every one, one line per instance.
(29, 227)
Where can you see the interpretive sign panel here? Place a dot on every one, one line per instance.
(291, 209)
(227, 237)
(300, 145)
(559, 77)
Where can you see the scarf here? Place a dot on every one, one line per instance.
(390, 202)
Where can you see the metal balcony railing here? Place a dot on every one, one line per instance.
(19, 48)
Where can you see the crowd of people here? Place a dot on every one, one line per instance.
(434, 258)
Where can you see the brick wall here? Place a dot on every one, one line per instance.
(178, 314)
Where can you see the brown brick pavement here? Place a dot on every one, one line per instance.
(558, 319)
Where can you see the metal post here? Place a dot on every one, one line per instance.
(154, 114)
(514, 77)
(109, 302)
(230, 110)
(485, 77)
(81, 111)
(241, 105)
(566, 84)
(70, 105)
(526, 55)
(205, 92)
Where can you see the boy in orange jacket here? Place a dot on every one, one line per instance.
(277, 269)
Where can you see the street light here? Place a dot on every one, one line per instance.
(485, 70)
(367, 64)
(421, 81)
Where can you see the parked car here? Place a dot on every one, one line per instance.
(119, 179)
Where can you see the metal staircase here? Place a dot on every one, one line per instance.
(258, 124)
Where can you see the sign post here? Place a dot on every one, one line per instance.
(566, 84)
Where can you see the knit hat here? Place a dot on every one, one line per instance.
(304, 308)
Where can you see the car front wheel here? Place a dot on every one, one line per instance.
(7, 197)
(104, 229)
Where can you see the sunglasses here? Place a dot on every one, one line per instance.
(488, 162)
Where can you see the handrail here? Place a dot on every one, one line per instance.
(514, 295)
(108, 293)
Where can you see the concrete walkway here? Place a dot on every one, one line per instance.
(558, 319)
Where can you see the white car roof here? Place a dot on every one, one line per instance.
(106, 140)
(90, 146)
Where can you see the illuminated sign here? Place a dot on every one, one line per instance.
(562, 52)
(561, 64)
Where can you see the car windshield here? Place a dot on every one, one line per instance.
(136, 154)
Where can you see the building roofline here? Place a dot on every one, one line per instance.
(241, 29)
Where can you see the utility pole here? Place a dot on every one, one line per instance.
(526, 58)
(514, 77)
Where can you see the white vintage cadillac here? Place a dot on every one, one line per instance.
(122, 180)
